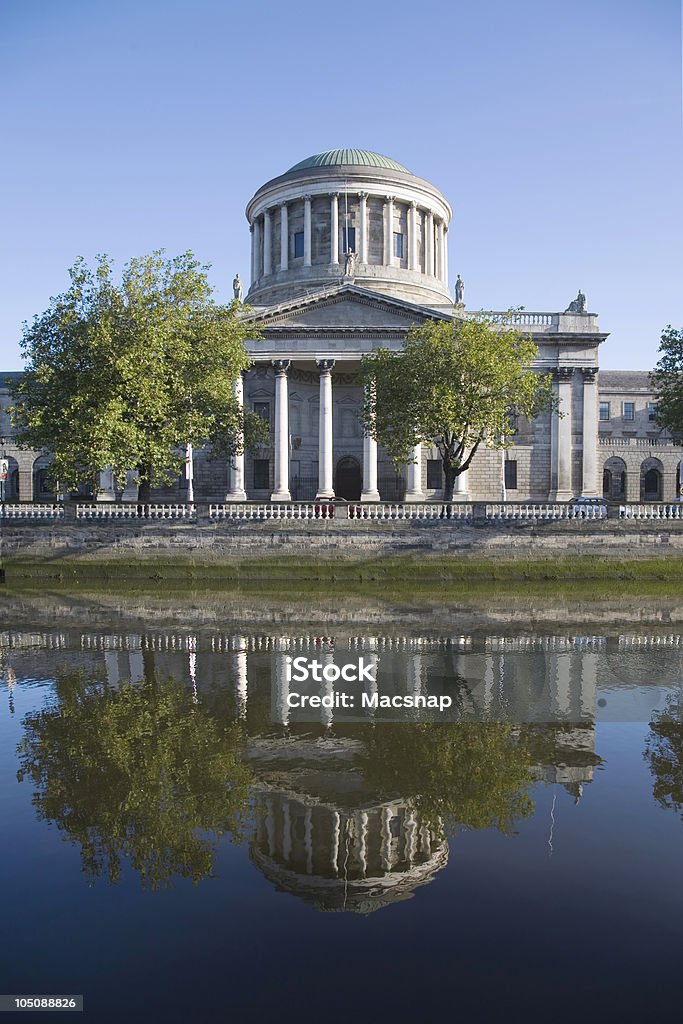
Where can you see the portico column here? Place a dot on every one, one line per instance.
(281, 492)
(257, 250)
(439, 250)
(444, 258)
(429, 243)
(561, 437)
(414, 490)
(334, 227)
(412, 236)
(236, 491)
(370, 491)
(461, 487)
(25, 481)
(253, 254)
(307, 231)
(388, 230)
(267, 245)
(363, 196)
(325, 451)
(106, 491)
(590, 433)
(284, 238)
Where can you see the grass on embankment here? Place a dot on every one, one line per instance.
(424, 570)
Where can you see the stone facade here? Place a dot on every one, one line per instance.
(349, 251)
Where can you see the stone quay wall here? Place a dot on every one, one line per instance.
(206, 542)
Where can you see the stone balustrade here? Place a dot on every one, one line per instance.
(651, 510)
(257, 511)
(107, 511)
(505, 511)
(31, 511)
(465, 513)
(402, 510)
(638, 442)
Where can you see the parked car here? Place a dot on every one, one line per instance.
(593, 508)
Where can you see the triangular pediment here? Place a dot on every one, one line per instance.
(345, 308)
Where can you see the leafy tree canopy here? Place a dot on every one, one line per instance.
(453, 385)
(124, 375)
(137, 773)
(667, 381)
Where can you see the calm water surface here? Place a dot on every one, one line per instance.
(179, 843)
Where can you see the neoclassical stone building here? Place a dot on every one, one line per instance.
(349, 250)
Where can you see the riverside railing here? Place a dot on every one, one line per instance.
(463, 513)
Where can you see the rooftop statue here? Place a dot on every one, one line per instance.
(237, 288)
(577, 305)
(459, 291)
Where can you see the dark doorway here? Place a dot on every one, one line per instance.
(348, 482)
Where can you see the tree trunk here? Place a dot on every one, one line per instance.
(450, 475)
(144, 484)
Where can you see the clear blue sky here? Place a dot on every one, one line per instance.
(554, 128)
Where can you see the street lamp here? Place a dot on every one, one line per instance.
(4, 469)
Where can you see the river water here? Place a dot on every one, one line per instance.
(488, 826)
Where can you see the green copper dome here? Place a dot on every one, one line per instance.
(349, 158)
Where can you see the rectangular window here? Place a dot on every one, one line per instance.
(511, 474)
(298, 244)
(434, 474)
(398, 245)
(349, 239)
(262, 409)
(604, 410)
(652, 411)
(629, 410)
(261, 474)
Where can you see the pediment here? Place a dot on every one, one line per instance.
(344, 309)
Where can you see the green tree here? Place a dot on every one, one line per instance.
(664, 753)
(477, 775)
(667, 381)
(454, 385)
(137, 773)
(125, 375)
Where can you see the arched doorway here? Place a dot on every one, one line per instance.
(651, 477)
(347, 482)
(614, 478)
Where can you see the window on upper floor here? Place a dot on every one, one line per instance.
(652, 411)
(298, 244)
(629, 410)
(604, 410)
(398, 245)
(349, 239)
(262, 409)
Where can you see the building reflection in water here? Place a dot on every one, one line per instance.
(340, 859)
(323, 831)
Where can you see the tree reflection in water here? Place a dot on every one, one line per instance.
(474, 775)
(136, 773)
(664, 753)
